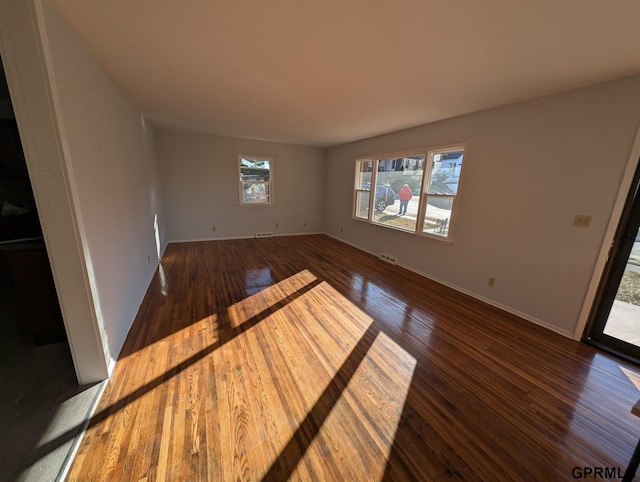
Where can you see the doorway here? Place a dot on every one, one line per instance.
(614, 323)
(27, 290)
(39, 394)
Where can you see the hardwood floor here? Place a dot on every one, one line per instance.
(301, 357)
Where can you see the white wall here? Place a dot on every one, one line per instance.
(530, 168)
(199, 176)
(109, 155)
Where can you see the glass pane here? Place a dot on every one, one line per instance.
(438, 215)
(255, 192)
(397, 192)
(255, 177)
(624, 320)
(363, 174)
(445, 172)
(255, 169)
(362, 204)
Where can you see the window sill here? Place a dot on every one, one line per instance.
(439, 239)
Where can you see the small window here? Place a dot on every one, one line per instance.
(256, 180)
(413, 192)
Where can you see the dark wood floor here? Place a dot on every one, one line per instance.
(304, 358)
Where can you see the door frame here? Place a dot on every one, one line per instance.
(621, 248)
(23, 53)
(601, 261)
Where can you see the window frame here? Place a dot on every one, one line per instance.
(270, 182)
(429, 154)
(359, 190)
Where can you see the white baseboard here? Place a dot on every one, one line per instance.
(231, 238)
(491, 302)
(476, 296)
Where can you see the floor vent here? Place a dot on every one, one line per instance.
(388, 258)
(264, 235)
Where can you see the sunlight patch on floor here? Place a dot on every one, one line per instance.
(266, 298)
(302, 377)
(269, 377)
(310, 344)
(371, 407)
(633, 376)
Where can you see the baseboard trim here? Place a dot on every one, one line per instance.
(232, 238)
(493, 303)
(476, 296)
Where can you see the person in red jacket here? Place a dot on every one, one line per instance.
(405, 196)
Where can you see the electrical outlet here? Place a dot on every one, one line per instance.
(491, 282)
(340, 229)
(304, 225)
(582, 221)
(148, 259)
(213, 228)
(277, 225)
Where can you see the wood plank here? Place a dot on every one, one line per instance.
(303, 358)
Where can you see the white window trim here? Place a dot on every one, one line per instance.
(428, 152)
(357, 190)
(271, 160)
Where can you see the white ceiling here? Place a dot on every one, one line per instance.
(325, 72)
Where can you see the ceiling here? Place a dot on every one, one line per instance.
(326, 72)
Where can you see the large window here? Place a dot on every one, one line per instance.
(413, 191)
(256, 180)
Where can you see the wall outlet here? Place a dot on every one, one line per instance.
(491, 282)
(148, 259)
(213, 228)
(582, 221)
(304, 225)
(340, 229)
(277, 225)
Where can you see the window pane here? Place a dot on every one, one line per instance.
(438, 215)
(363, 174)
(397, 192)
(445, 172)
(362, 204)
(255, 169)
(401, 189)
(255, 180)
(255, 192)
